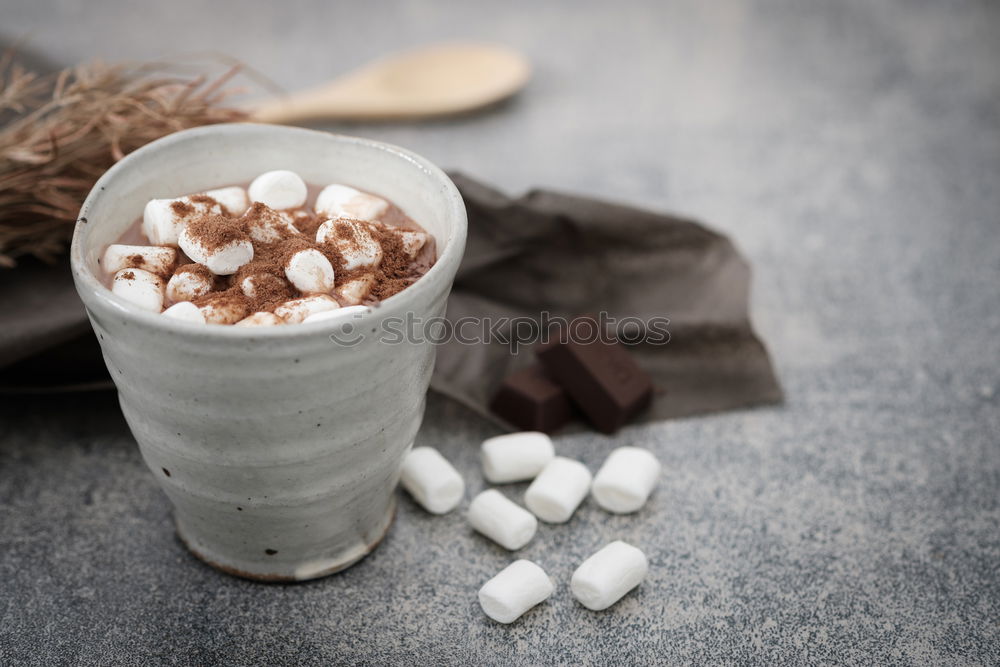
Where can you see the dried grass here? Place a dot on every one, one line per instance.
(69, 127)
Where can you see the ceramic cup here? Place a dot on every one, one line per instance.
(279, 448)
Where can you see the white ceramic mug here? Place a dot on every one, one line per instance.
(279, 448)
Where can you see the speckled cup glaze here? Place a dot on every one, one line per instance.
(279, 448)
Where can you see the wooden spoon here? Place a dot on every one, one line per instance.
(432, 81)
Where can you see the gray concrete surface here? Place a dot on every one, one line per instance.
(852, 149)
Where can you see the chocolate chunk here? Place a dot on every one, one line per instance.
(531, 401)
(599, 375)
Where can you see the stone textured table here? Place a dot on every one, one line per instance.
(853, 152)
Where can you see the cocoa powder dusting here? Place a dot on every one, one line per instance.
(396, 271)
(210, 203)
(260, 218)
(203, 199)
(271, 287)
(181, 208)
(307, 222)
(270, 292)
(215, 231)
(196, 269)
(283, 250)
(217, 282)
(229, 296)
(349, 232)
(259, 266)
(347, 235)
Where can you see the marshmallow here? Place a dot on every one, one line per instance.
(140, 288)
(265, 225)
(558, 490)
(353, 240)
(310, 271)
(260, 319)
(502, 520)
(252, 285)
(187, 284)
(224, 309)
(234, 199)
(297, 310)
(185, 310)
(279, 189)
(154, 259)
(516, 589)
(164, 219)
(608, 575)
(626, 479)
(412, 242)
(432, 481)
(336, 314)
(354, 291)
(343, 201)
(516, 456)
(223, 260)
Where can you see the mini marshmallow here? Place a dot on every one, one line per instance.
(354, 291)
(140, 288)
(185, 310)
(187, 285)
(516, 589)
(626, 479)
(343, 201)
(310, 271)
(164, 219)
(516, 456)
(270, 283)
(265, 225)
(260, 319)
(154, 259)
(353, 240)
(279, 189)
(502, 520)
(224, 309)
(604, 578)
(412, 242)
(345, 312)
(297, 310)
(234, 199)
(432, 480)
(558, 490)
(222, 261)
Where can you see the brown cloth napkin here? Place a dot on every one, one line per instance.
(545, 251)
(570, 255)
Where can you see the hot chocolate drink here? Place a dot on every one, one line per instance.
(276, 252)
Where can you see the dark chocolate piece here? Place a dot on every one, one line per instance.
(601, 377)
(531, 401)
